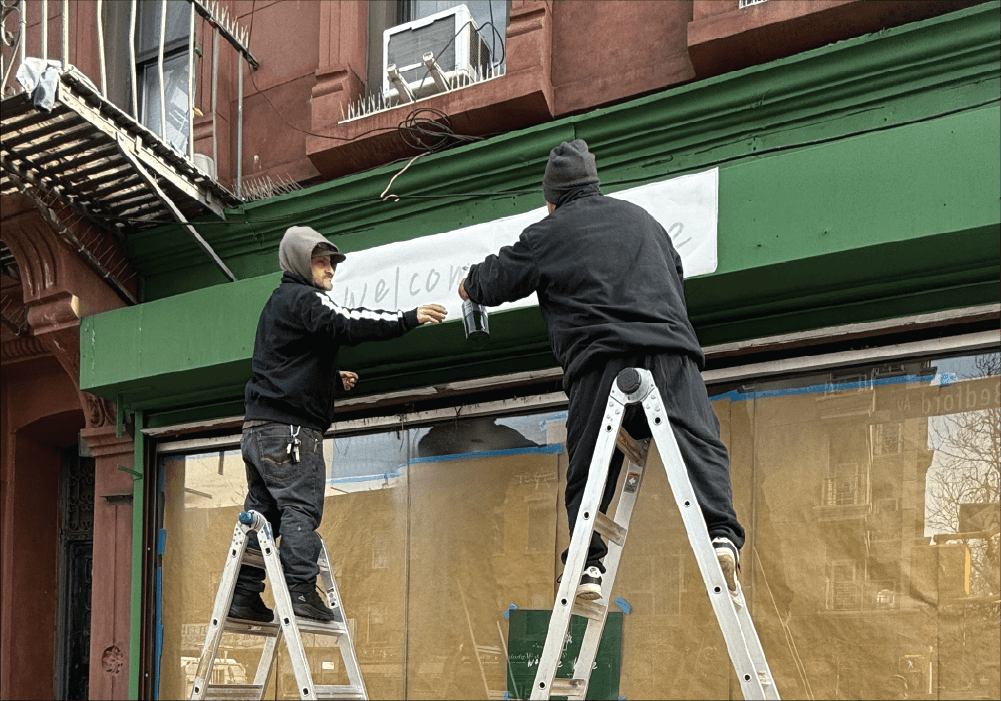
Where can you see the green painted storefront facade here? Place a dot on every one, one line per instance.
(860, 181)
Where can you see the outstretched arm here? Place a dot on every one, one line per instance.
(505, 277)
(351, 326)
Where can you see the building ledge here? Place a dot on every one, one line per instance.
(724, 37)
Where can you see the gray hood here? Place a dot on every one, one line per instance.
(297, 249)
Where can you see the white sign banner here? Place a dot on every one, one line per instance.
(427, 270)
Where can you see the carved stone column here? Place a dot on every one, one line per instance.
(58, 289)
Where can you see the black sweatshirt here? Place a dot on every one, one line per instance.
(608, 278)
(295, 352)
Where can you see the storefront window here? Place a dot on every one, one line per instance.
(869, 494)
(432, 531)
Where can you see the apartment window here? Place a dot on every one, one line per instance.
(490, 18)
(844, 591)
(888, 438)
(748, 3)
(177, 30)
(844, 487)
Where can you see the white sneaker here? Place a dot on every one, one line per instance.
(729, 560)
(589, 588)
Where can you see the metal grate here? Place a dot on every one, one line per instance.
(76, 150)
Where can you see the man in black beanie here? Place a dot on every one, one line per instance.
(610, 288)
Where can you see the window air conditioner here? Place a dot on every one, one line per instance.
(450, 36)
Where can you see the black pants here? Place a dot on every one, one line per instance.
(695, 428)
(289, 495)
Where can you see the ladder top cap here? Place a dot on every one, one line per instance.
(628, 380)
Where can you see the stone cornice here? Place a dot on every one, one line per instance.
(104, 442)
(865, 84)
(22, 349)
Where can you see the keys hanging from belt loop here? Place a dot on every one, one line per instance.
(292, 448)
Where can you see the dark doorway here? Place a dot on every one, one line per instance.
(76, 559)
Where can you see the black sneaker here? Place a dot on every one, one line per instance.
(729, 560)
(250, 607)
(306, 603)
(589, 588)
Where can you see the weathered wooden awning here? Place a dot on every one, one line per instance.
(112, 169)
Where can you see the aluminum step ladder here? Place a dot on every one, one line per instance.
(636, 386)
(287, 626)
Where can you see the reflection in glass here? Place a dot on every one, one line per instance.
(871, 568)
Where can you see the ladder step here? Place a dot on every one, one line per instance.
(571, 688)
(245, 627)
(338, 691)
(305, 625)
(233, 691)
(609, 528)
(595, 610)
(324, 628)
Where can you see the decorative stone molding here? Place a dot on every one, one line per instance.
(103, 441)
(58, 288)
(22, 349)
(97, 411)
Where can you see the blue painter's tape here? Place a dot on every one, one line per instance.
(507, 614)
(555, 448)
(737, 396)
(161, 541)
(623, 604)
(158, 652)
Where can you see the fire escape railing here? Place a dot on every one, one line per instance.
(138, 177)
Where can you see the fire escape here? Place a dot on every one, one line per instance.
(126, 164)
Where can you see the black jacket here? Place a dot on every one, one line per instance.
(608, 278)
(295, 352)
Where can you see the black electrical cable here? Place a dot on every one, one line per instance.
(644, 179)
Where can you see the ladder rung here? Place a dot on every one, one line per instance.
(609, 528)
(338, 691)
(233, 691)
(269, 630)
(595, 610)
(635, 451)
(323, 628)
(571, 688)
(244, 627)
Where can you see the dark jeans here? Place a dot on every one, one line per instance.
(289, 495)
(695, 428)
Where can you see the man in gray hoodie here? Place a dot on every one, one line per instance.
(289, 403)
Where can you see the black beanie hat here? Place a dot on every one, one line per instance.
(570, 166)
